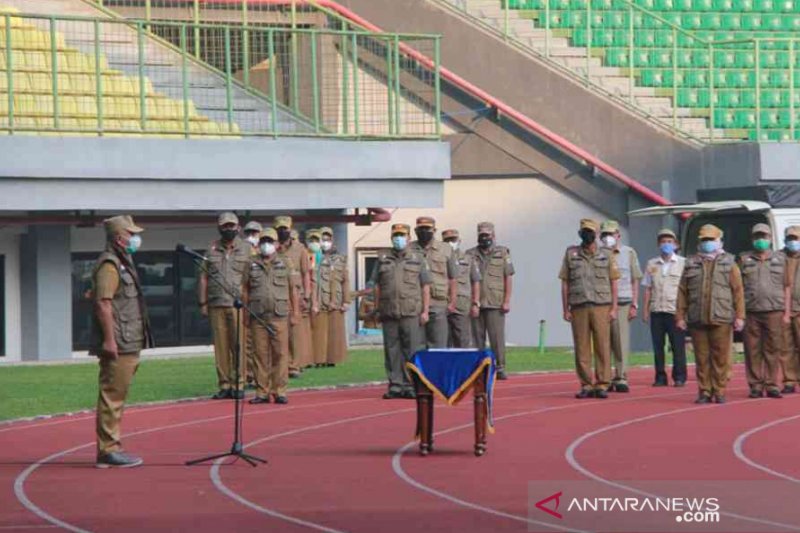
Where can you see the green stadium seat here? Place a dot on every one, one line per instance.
(731, 21)
(724, 59)
(752, 21)
(616, 57)
(724, 118)
(791, 23)
(728, 99)
(702, 5)
(772, 22)
(723, 5)
(743, 6)
(700, 58)
(711, 21)
(745, 118)
(774, 98)
(764, 6)
(691, 21)
(695, 78)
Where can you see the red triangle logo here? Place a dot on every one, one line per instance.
(553, 512)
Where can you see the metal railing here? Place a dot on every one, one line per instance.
(107, 76)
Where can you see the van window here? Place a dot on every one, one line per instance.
(736, 230)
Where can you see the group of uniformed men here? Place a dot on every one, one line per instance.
(709, 294)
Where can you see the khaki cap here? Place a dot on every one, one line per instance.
(269, 233)
(793, 231)
(426, 222)
(314, 233)
(325, 230)
(118, 224)
(282, 221)
(485, 227)
(227, 217)
(401, 228)
(761, 228)
(609, 226)
(450, 233)
(710, 231)
(253, 226)
(588, 223)
(666, 232)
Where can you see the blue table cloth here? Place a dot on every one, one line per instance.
(450, 373)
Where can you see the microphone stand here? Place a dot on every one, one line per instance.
(237, 449)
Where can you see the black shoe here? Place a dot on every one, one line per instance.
(392, 395)
(774, 393)
(788, 389)
(755, 393)
(583, 394)
(659, 383)
(409, 394)
(720, 398)
(259, 399)
(118, 460)
(680, 384)
(294, 374)
(282, 400)
(223, 394)
(501, 374)
(330, 365)
(237, 394)
(623, 387)
(702, 399)
(602, 394)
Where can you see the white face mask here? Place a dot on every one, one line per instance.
(267, 248)
(453, 245)
(314, 246)
(609, 241)
(327, 245)
(252, 239)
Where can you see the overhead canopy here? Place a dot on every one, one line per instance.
(702, 207)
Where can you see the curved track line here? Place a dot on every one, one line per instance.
(570, 456)
(397, 466)
(738, 448)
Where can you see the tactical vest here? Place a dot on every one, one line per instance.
(763, 282)
(710, 295)
(338, 275)
(437, 255)
(664, 287)
(269, 287)
(792, 262)
(464, 264)
(589, 276)
(230, 267)
(325, 282)
(131, 326)
(492, 266)
(400, 287)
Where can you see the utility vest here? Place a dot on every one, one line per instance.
(269, 287)
(589, 276)
(709, 291)
(792, 262)
(437, 255)
(763, 282)
(664, 288)
(229, 267)
(464, 264)
(624, 259)
(131, 325)
(332, 275)
(492, 267)
(400, 287)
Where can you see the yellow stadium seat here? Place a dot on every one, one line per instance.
(20, 80)
(86, 106)
(36, 60)
(41, 82)
(81, 83)
(68, 106)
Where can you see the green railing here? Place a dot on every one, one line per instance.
(111, 76)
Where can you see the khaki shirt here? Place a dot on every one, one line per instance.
(468, 273)
(400, 277)
(494, 265)
(663, 278)
(764, 281)
(442, 268)
(298, 255)
(106, 282)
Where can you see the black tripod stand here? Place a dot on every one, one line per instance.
(237, 449)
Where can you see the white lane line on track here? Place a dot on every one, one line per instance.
(397, 466)
(738, 448)
(570, 456)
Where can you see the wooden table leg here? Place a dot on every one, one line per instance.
(479, 389)
(424, 417)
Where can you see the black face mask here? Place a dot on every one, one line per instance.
(228, 234)
(485, 242)
(587, 236)
(284, 234)
(424, 235)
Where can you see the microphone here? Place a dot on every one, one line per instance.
(182, 248)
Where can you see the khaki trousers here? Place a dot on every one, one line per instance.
(764, 344)
(790, 362)
(436, 328)
(113, 384)
(621, 343)
(272, 357)
(460, 331)
(223, 331)
(337, 337)
(591, 331)
(402, 338)
(491, 323)
(712, 352)
(319, 335)
(300, 344)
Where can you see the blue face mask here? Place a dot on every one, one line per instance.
(134, 243)
(667, 248)
(793, 246)
(709, 247)
(399, 242)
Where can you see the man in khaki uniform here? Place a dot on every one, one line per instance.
(764, 278)
(402, 290)
(439, 257)
(468, 293)
(627, 300)
(336, 292)
(228, 257)
(711, 305)
(273, 299)
(120, 332)
(319, 320)
(252, 235)
(790, 362)
(496, 270)
(589, 278)
(300, 342)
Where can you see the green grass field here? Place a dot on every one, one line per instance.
(31, 390)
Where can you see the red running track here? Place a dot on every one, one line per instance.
(343, 461)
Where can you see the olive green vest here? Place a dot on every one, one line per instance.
(493, 271)
(131, 325)
(229, 267)
(763, 282)
(465, 263)
(589, 276)
(399, 283)
(331, 281)
(793, 262)
(269, 286)
(437, 255)
(712, 297)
